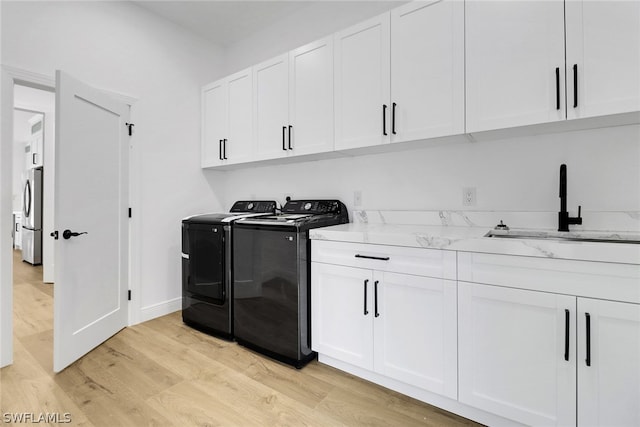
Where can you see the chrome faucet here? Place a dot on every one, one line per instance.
(563, 216)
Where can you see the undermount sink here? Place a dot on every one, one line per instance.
(566, 236)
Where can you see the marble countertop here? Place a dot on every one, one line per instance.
(471, 239)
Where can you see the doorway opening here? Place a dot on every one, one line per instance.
(32, 206)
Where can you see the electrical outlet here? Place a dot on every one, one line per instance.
(357, 198)
(469, 196)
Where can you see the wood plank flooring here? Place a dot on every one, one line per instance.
(163, 373)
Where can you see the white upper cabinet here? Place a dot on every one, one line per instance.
(311, 98)
(362, 84)
(238, 141)
(514, 63)
(608, 363)
(214, 122)
(603, 57)
(227, 131)
(271, 107)
(34, 156)
(427, 70)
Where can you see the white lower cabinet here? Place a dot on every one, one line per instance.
(399, 325)
(341, 324)
(415, 331)
(541, 342)
(608, 363)
(517, 353)
(515, 340)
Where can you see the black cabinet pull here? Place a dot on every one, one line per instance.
(33, 158)
(588, 320)
(366, 282)
(284, 131)
(566, 335)
(220, 149)
(393, 118)
(224, 149)
(386, 258)
(290, 137)
(17, 225)
(557, 88)
(375, 300)
(575, 85)
(384, 119)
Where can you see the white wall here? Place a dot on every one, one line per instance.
(119, 47)
(518, 174)
(310, 23)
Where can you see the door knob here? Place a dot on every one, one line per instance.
(67, 234)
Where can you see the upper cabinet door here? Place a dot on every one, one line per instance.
(238, 143)
(214, 122)
(427, 70)
(271, 107)
(362, 84)
(311, 98)
(514, 62)
(603, 57)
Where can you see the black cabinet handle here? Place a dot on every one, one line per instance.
(393, 118)
(17, 225)
(375, 300)
(366, 282)
(33, 158)
(224, 149)
(386, 258)
(588, 320)
(284, 131)
(290, 137)
(566, 335)
(557, 88)
(575, 85)
(220, 150)
(384, 119)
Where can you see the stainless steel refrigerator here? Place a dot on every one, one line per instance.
(32, 217)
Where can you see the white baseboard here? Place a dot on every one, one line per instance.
(157, 310)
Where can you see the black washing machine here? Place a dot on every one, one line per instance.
(207, 266)
(272, 298)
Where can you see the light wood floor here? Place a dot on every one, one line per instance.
(163, 373)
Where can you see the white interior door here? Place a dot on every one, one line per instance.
(91, 187)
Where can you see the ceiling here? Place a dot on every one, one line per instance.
(225, 22)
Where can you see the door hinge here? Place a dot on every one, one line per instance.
(129, 212)
(129, 295)
(130, 126)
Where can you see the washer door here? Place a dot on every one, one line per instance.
(206, 263)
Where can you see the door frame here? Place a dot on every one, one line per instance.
(9, 76)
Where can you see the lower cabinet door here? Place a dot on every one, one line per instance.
(415, 331)
(608, 363)
(342, 313)
(517, 355)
